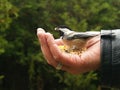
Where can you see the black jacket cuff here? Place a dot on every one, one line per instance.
(110, 58)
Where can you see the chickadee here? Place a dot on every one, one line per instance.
(75, 40)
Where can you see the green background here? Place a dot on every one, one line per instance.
(22, 65)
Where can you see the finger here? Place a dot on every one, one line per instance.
(39, 31)
(40, 34)
(47, 54)
(44, 47)
(59, 41)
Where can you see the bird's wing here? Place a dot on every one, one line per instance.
(84, 35)
(78, 35)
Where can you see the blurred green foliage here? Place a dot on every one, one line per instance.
(22, 65)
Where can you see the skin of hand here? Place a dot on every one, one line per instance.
(75, 64)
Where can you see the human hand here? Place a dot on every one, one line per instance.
(75, 64)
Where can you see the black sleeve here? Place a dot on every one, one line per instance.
(110, 58)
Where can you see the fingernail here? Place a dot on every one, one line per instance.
(40, 29)
(49, 33)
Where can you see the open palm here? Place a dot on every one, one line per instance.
(89, 60)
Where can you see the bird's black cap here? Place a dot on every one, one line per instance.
(62, 26)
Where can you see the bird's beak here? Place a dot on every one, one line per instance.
(57, 29)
